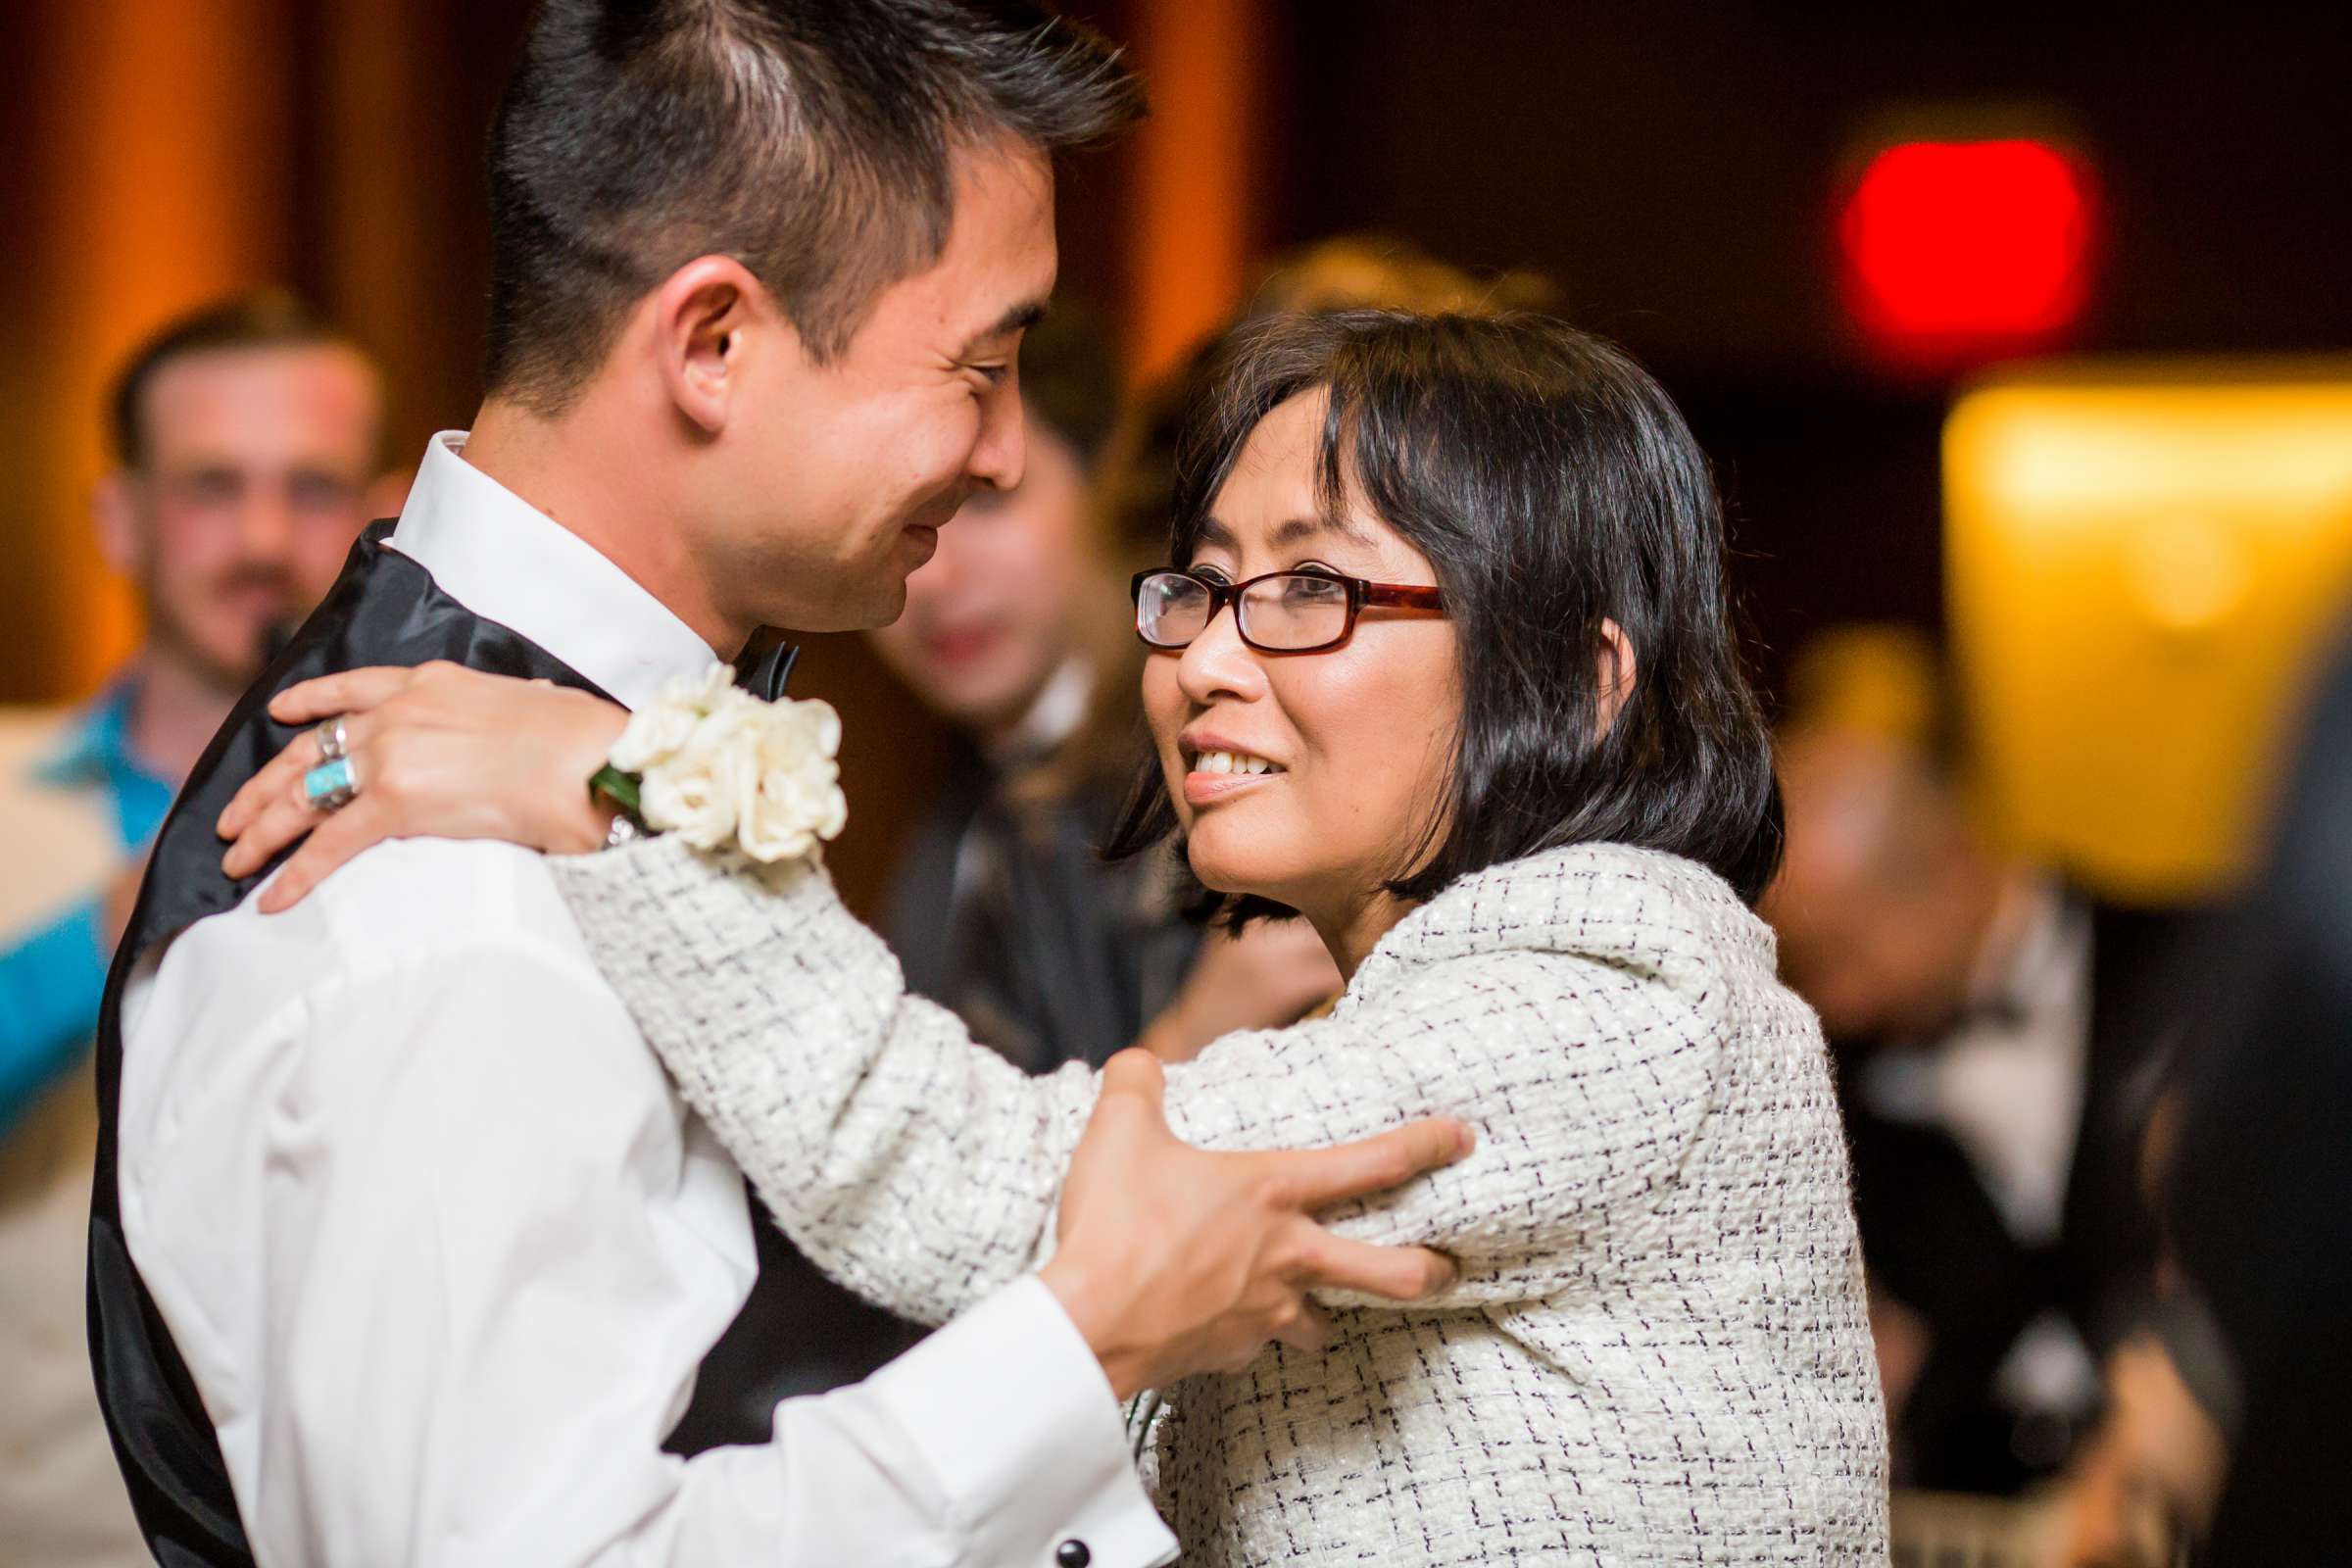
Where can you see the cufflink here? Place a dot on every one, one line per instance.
(1072, 1554)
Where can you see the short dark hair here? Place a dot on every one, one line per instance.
(1553, 484)
(263, 319)
(812, 140)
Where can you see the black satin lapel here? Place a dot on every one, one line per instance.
(764, 675)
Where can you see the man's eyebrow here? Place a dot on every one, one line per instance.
(1019, 319)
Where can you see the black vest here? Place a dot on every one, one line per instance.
(385, 609)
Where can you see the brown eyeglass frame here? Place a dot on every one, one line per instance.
(1360, 591)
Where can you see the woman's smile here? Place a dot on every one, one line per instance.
(1221, 776)
(1218, 768)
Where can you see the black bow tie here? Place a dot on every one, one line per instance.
(764, 675)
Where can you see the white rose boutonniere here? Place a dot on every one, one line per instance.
(794, 799)
(715, 765)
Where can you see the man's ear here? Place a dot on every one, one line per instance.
(702, 338)
(115, 520)
(1618, 671)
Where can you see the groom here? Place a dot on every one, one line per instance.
(404, 1249)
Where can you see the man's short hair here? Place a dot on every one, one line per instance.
(812, 140)
(263, 319)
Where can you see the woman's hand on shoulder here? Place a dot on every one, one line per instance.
(439, 750)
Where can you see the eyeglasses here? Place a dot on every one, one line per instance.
(1280, 613)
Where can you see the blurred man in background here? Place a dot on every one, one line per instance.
(247, 437)
(1993, 1181)
(1998, 1056)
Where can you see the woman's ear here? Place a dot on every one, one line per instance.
(699, 325)
(1618, 671)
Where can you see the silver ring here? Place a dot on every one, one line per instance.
(334, 741)
(332, 786)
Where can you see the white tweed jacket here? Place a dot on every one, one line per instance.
(1656, 1352)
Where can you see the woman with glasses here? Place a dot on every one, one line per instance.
(1441, 664)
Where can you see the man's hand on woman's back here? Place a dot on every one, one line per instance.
(1173, 1260)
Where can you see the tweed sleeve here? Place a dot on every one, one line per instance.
(921, 1169)
(1585, 1083)
(915, 1165)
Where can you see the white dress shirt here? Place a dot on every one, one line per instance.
(443, 1248)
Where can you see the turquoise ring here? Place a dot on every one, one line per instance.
(332, 786)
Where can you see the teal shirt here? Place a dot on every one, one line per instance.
(52, 981)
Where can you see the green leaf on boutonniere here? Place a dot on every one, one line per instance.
(615, 786)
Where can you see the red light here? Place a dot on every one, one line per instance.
(1957, 247)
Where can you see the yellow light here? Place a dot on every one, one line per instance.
(2142, 563)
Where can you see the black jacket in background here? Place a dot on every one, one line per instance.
(1934, 1240)
(1002, 913)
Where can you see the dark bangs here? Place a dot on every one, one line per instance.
(1553, 485)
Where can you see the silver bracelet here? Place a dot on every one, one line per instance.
(625, 829)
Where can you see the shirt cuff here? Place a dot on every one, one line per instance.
(1011, 1410)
